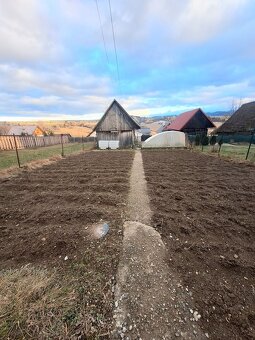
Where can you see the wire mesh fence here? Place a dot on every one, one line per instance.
(21, 157)
(236, 146)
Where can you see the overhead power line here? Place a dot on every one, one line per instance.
(114, 42)
(102, 31)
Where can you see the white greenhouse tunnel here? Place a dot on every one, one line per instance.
(167, 139)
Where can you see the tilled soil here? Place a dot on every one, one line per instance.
(47, 218)
(204, 210)
(48, 212)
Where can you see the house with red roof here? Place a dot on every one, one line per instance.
(192, 122)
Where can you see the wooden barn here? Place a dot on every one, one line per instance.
(192, 122)
(242, 121)
(116, 129)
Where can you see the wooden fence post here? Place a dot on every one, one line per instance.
(251, 140)
(34, 140)
(202, 141)
(82, 140)
(17, 154)
(220, 144)
(62, 152)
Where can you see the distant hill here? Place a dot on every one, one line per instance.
(211, 114)
(219, 113)
(162, 116)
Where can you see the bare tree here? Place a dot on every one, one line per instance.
(236, 104)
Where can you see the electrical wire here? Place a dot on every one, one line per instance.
(102, 32)
(114, 42)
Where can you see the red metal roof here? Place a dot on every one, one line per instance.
(180, 122)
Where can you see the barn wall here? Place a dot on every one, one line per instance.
(114, 120)
(195, 131)
(126, 138)
(107, 135)
(198, 122)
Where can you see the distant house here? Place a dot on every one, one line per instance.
(163, 124)
(4, 129)
(25, 130)
(192, 122)
(143, 134)
(116, 129)
(242, 121)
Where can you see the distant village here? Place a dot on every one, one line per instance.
(148, 126)
(193, 122)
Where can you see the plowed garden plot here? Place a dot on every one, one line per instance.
(56, 279)
(204, 209)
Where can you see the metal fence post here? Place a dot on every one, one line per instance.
(16, 149)
(251, 140)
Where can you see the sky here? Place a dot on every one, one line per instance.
(172, 56)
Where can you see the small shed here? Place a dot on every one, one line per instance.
(193, 122)
(242, 121)
(167, 139)
(116, 129)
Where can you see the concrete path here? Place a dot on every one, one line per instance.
(150, 301)
(138, 199)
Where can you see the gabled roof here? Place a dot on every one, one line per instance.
(4, 129)
(130, 120)
(183, 119)
(145, 131)
(243, 120)
(22, 129)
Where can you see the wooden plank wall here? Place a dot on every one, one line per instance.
(126, 138)
(23, 142)
(114, 120)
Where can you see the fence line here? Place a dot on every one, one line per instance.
(23, 142)
(238, 145)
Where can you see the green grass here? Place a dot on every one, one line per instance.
(8, 158)
(237, 152)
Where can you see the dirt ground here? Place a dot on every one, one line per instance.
(204, 210)
(150, 300)
(47, 218)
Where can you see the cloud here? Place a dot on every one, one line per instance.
(173, 55)
(70, 81)
(201, 20)
(27, 32)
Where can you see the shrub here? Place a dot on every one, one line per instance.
(205, 140)
(220, 142)
(213, 140)
(197, 140)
